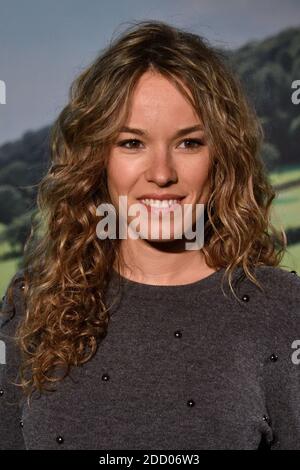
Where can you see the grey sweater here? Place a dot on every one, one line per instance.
(181, 367)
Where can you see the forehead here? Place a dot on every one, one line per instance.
(155, 97)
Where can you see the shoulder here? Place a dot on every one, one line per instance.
(10, 432)
(277, 305)
(12, 311)
(13, 301)
(276, 282)
(279, 283)
(277, 273)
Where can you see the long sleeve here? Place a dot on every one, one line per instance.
(11, 436)
(282, 367)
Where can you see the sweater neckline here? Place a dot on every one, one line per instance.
(204, 283)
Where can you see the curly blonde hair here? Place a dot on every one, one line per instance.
(67, 268)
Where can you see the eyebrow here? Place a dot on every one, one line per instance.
(179, 133)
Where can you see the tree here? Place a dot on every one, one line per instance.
(270, 155)
(11, 203)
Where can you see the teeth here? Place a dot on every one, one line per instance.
(158, 203)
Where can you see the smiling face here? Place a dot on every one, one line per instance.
(153, 160)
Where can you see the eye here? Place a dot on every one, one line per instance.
(133, 143)
(195, 143)
(123, 143)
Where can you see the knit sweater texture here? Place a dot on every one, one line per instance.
(181, 367)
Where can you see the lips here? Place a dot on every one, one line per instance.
(158, 205)
(161, 197)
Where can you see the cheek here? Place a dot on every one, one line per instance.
(196, 174)
(121, 176)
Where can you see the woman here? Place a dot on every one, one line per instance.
(141, 342)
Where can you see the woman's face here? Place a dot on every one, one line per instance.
(158, 161)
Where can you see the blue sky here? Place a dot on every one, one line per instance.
(44, 44)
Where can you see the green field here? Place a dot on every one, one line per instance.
(285, 213)
(286, 208)
(285, 174)
(292, 258)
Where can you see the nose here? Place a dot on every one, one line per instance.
(161, 170)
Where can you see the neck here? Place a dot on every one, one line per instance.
(163, 263)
